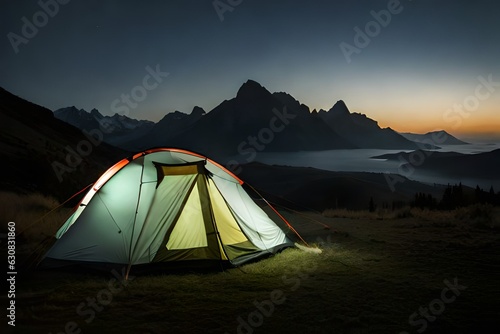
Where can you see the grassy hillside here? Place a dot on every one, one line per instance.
(45, 154)
(372, 275)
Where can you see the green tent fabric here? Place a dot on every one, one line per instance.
(162, 206)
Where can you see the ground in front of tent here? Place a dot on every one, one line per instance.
(375, 275)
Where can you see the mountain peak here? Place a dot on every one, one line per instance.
(250, 89)
(292, 104)
(438, 132)
(94, 112)
(71, 109)
(197, 111)
(339, 108)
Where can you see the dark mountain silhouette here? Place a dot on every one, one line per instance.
(171, 125)
(312, 125)
(117, 129)
(363, 131)
(79, 117)
(434, 137)
(484, 165)
(253, 121)
(45, 154)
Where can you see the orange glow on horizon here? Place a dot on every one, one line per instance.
(428, 127)
(484, 130)
(480, 122)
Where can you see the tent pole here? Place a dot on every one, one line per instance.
(127, 271)
(133, 226)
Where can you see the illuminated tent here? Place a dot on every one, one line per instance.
(162, 206)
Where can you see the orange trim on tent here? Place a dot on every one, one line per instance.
(122, 163)
(109, 173)
(137, 155)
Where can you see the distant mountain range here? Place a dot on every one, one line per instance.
(116, 129)
(254, 120)
(484, 165)
(362, 131)
(171, 125)
(48, 155)
(434, 137)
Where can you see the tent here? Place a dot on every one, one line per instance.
(165, 206)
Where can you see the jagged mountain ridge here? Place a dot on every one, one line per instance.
(361, 130)
(257, 120)
(116, 129)
(170, 125)
(253, 121)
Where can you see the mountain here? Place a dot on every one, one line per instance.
(79, 117)
(312, 126)
(45, 154)
(117, 129)
(253, 121)
(436, 137)
(362, 131)
(171, 125)
(485, 166)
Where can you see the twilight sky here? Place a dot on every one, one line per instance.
(426, 65)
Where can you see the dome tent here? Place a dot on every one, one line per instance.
(166, 206)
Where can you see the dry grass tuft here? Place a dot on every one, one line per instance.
(31, 214)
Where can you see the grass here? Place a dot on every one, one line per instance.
(29, 212)
(371, 276)
(479, 215)
(36, 223)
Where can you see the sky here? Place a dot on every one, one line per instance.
(412, 65)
